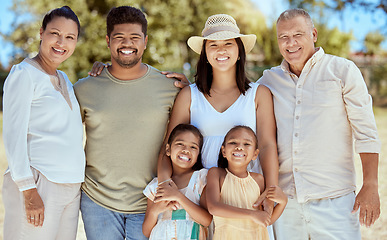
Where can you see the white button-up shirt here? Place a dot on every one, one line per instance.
(40, 129)
(319, 116)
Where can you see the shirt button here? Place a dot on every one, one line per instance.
(295, 152)
(296, 134)
(297, 117)
(298, 102)
(296, 169)
(299, 86)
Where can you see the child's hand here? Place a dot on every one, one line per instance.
(261, 217)
(167, 191)
(161, 207)
(276, 194)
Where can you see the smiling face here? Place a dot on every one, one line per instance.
(58, 40)
(296, 38)
(127, 44)
(184, 150)
(240, 147)
(222, 54)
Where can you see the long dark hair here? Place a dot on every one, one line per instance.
(203, 76)
(222, 161)
(65, 12)
(181, 128)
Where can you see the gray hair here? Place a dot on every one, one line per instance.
(292, 13)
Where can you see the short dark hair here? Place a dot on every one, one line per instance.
(65, 12)
(125, 14)
(189, 128)
(222, 161)
(203, 76)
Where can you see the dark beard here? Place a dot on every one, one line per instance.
(127, 63)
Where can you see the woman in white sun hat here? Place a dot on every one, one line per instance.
(222, 97)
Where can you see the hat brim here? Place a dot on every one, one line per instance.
(196, 42)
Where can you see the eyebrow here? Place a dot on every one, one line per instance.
(53, 28)
(131, 34)
(180, 140)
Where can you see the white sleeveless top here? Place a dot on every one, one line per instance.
(215, 125)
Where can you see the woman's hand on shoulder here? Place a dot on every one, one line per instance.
(181, 79)
(97, 68)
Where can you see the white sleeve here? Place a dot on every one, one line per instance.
(17, 99)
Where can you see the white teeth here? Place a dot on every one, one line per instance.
(127, 51)
(222, 59)
(184, 158)
(238, 155)
(293, 50)
(58, 50)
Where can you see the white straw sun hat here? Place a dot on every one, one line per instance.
(221, 27)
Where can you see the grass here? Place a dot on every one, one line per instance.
(376, 232)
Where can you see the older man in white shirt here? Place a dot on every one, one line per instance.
(322, 107)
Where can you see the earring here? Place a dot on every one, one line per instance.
(239, 58)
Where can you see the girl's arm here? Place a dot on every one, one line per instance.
(169, 192)
(266, 134)
(217, 208)
(180, 114)
(275, 194)
(152, 212)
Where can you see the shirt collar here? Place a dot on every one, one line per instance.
(312, 60)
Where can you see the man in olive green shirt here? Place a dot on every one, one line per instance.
(125, 110)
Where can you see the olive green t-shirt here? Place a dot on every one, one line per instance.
(125, 125)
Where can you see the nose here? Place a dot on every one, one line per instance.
(185, 150)
(292, 41)
(239, 147)
(127, 42)
(60, 40)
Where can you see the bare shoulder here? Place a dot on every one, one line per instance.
(259, 179)
(216, 171)
(263, 91)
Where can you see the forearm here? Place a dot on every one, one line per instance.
(370, 162)
(164, 166)
(227, 211)
(278, 210)
(199, 214)
(149, 223)
(268, 157)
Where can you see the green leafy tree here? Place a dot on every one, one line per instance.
(171, 23)
(372, 43)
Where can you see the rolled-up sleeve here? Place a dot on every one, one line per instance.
(358, 105)
(17, 99)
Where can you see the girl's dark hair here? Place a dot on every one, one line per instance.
(203, 76)
(125, 14)
(222, 161)
(65, 12)
(189, 128)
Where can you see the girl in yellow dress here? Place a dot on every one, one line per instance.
(232, 190)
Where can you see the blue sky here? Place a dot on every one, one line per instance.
(357, 21)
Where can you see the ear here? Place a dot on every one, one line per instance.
(168, 150)
(314, 35)
(256, 153)
(223, 151)
(146, 40)
(41, 33)
(108, 41)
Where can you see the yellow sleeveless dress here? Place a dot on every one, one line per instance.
(242, 193)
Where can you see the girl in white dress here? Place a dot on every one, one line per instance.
(184, 189)
(223, 97)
